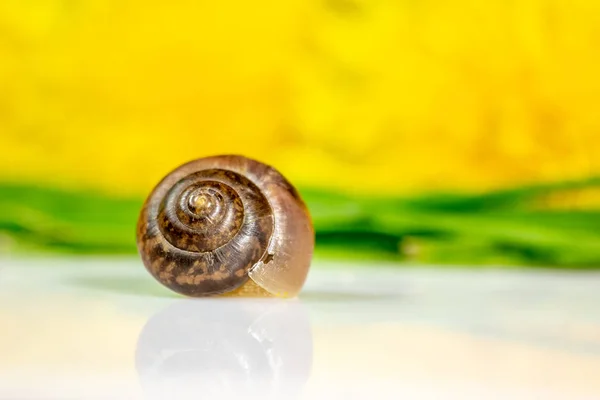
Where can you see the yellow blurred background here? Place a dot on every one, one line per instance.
(372, 99)
(366, 96)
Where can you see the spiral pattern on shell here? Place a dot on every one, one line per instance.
(215, 223)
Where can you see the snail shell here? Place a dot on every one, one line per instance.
(226, 225)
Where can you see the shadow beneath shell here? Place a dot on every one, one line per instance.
(125, 285)
(148, 287)
(321, 296)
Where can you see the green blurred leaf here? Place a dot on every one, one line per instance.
(503, 227)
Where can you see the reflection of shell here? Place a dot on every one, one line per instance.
(215, 222)
(227, 348)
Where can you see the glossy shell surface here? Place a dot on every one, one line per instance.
(226, 225)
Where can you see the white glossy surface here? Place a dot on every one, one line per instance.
(103, 329)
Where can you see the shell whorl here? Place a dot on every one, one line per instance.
(208, 230)
(215, 223)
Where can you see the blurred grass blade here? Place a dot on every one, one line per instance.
(519, 226)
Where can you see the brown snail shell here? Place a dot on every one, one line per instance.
(226, 225)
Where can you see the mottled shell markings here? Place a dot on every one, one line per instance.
(214, 223)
